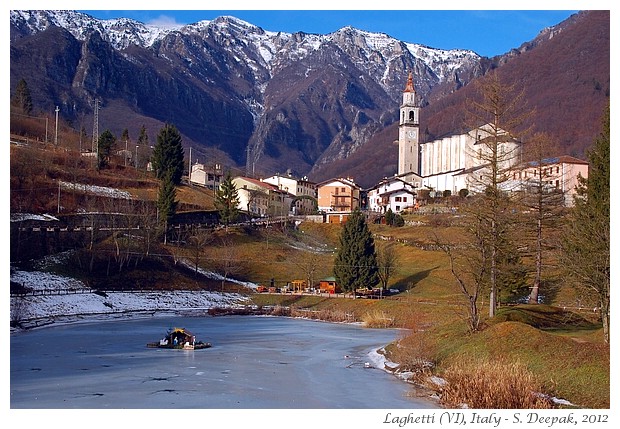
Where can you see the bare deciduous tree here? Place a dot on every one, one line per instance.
(497, 119)
(387, 259)
(544, 205)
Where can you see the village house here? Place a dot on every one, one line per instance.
(557, 174)
(338, 197)
(391, 193)
(209, 177)
(305, 201)
(261, 198)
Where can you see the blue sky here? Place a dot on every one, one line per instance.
(487, 32)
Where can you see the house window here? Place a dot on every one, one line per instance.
(398, 199)
(557, 170)
(397, 208)
(557, 184)
(404, 199)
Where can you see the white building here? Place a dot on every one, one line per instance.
(391, 193)
(304, 191)
(450, 163)
(210, 177)
(261, 198)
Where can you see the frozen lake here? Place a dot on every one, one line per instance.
(255, 363)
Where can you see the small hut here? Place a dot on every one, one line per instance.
(329, 285)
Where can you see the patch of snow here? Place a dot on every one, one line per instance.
(103, 191)
(438, 380)
(66, 297)
(216, 276)
(18, 217)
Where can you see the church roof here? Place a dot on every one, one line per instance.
(409, 87)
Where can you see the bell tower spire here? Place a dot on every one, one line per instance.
(408, 131)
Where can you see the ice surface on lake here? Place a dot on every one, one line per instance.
(255, 362)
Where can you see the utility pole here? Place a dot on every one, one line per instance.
(95, 147)
(56, 138)
(189, 170)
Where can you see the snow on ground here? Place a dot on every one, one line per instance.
(67, 297)
(96, 190)
(216, 276)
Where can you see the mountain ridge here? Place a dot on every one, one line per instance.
(269, 101)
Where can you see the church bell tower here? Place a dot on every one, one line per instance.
(409, 131)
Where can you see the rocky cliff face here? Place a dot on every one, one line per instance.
(267, 101)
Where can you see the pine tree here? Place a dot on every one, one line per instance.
(143, 140)
(166, 202)
(105, 145)
(227, 200)
(168, 155)
(355, 265)
(586, 239)
(22, 100)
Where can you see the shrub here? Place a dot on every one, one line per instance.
(491, 384)
(377, 319)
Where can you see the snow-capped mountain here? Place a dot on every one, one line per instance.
(240, 95)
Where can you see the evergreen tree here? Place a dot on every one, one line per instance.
(125, 139)
(168, 156)
(105, 146)
(166, 202)
(227, 200)
(389, 217)
(356, 262)
(586, 240)
(143, 140)
(22, 101)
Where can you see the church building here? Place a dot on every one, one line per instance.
(450, 163)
